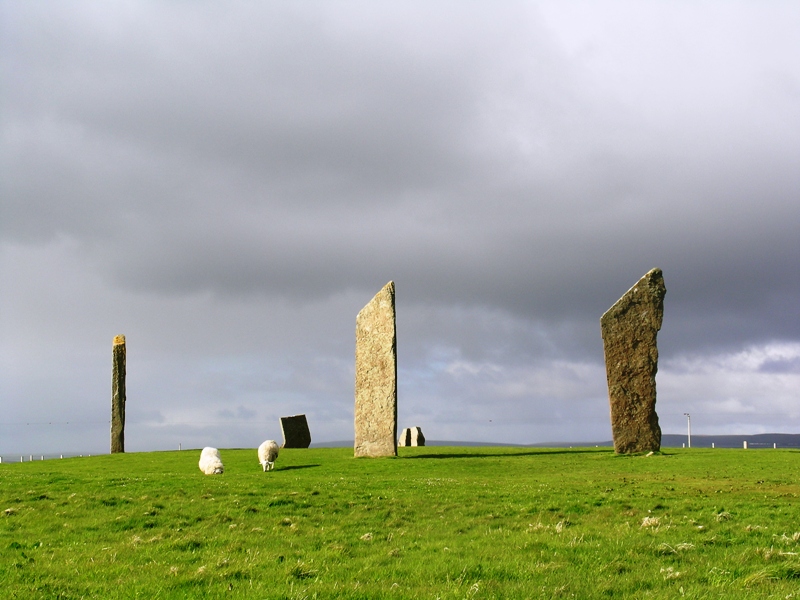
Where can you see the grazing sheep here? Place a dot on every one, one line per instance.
(267, 453)
(210, 461)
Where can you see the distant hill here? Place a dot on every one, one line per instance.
(762, 440)
(349, 444)
(668, 440)
(673, 440)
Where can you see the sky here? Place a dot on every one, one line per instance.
(228, 184)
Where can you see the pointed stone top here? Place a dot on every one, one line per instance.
(388, 288)
(386, 294)
(652, 283)
(119, 339)
(653, 275)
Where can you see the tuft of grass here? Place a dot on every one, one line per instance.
(432, 523)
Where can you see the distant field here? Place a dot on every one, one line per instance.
(436, 522)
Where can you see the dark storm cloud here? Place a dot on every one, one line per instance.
(277, 158)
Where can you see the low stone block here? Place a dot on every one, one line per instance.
(412, 436)
(295, 432)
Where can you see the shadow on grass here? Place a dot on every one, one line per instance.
(511, 454)
(296, 467)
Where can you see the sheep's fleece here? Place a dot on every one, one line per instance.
(267, 453)
(210, 462)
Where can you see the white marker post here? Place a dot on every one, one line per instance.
(689, 429)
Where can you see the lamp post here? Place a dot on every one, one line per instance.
(689, 429)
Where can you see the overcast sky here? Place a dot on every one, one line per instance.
(228, 184)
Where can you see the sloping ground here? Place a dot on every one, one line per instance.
(449, 523)
(668, 440)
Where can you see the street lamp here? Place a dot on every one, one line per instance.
(689, 428)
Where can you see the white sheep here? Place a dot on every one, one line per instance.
(267, 453)
(210, 462)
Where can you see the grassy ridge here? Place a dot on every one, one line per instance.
(434, 523)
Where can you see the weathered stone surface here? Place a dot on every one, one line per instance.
(118, 395)
(629, 339)
(295, 432)
(412, 436)
(376, 377)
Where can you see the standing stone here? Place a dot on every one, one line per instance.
(629, 338)
(376, 377)
(405, 438)
(118, 395)
(412, 436)
(295, 432)
(417, 439)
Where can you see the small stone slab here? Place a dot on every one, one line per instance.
(376, 377)
(412, 436)
(629, 331)
(295, 432)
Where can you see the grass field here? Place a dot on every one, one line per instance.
(433, 523)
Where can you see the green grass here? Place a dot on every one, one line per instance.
(432, 523)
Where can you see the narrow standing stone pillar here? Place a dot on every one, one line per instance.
(376, 377)
(118, 395)
(629, 330)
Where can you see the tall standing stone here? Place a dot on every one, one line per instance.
(629, 330)
(376, 377)
(118, 395)
(295, 432)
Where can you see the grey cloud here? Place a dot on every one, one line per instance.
(229, 185)
(791, 365)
